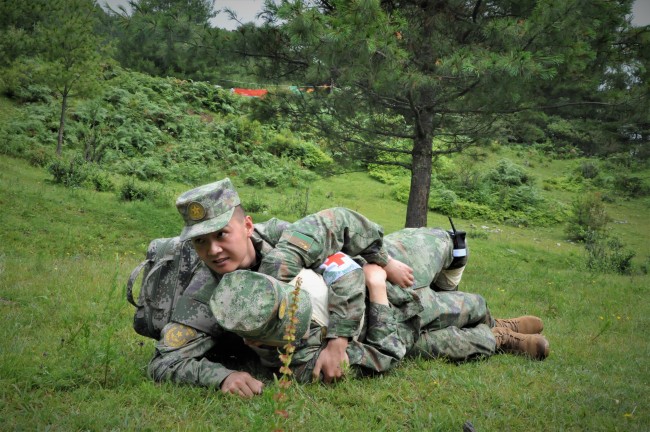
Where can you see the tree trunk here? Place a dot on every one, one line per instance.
(64, 105)
(418, 205)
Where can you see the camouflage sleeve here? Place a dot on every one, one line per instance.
(180, 358)
(271, 230)
(382, 333)
(309, 241)
(346, 303)
(381, 349)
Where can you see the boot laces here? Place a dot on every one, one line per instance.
(512, 324)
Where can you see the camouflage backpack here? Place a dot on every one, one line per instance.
(167, 271)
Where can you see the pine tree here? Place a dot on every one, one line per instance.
(165, 37)
(420, 78)
(70, 52)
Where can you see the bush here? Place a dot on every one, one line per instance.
(306, 153)
(631, 186)
(101, 181)
(40, 156)
(401, 189)
(133, 191)
(521, 198)
(470, 210)
(293, 205)
(143, 168)
(588, 217)
(588, 170)
(443, 201)
(255, 204)
(70, 173)
(608, 255)
(508, 173)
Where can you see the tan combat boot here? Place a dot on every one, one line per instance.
(526, 324)
(533, 345)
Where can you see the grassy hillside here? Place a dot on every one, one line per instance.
(70, 360)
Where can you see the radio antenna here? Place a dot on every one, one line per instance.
(453, 228)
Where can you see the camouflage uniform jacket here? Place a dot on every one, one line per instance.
(283, 249)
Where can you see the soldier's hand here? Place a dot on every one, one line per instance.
(242, 384)
(332, 360)
(399, 273)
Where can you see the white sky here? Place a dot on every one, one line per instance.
(641, 12)
(247, 9)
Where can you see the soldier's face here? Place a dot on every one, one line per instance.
(228, 249)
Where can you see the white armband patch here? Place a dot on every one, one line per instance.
(337, 265)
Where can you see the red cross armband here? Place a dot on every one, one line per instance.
(337, 265)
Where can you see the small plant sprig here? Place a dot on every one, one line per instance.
(286, 355)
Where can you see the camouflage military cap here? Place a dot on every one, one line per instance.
(256, 307)
(207, 208)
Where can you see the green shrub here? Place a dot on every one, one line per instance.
(101, 181)
(293, 205)
(389, 175)
(588, 170)
(306, 153)
(39, 156)
(470, 210)
(70, 173)
(34, 93)
(566, 183)
(476, 234)
(606, 254)
(520, 198)
(645, 266)
(401, 189)
(255, 204)
(508, 173)
(134, 191)
(588, 217)
(256, 176)
(143, 168)
(443, 201)
(631, 186)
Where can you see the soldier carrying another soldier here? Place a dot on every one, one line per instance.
(230, 245)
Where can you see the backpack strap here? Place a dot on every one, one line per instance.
(129, 286)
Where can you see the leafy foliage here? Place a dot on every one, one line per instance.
(163, 38)
(162, 129)
(607, 254)
(588, 217)
(70, 173)
(132, 190)
(504, 193)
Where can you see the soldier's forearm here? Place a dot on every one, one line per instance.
(185, 362)
(199, 372)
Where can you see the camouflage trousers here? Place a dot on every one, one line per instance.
(452, 325)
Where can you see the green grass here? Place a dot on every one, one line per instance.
(70, 360)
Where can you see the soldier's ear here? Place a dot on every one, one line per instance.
(248, 224)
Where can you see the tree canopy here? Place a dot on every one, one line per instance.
(416, 79)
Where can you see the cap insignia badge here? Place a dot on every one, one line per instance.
(196, 211)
